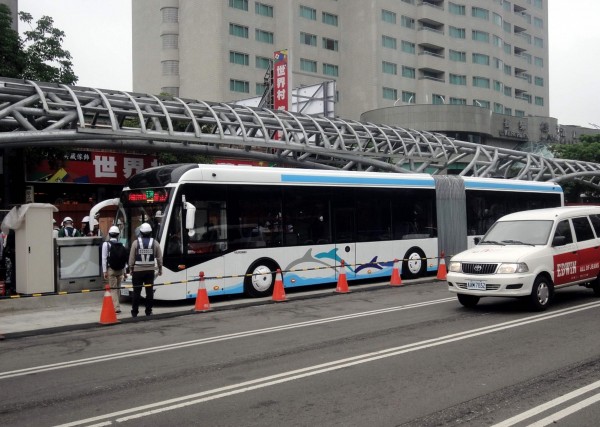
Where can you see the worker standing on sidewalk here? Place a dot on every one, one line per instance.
(145, 253)
(114, 264)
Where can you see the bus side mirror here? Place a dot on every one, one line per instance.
(190, 218)
(477, 240)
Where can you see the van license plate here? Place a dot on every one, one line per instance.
(476, 284)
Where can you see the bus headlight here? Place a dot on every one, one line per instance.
(454, 267)
(511, 268)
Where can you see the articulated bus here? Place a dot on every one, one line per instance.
(239, 224)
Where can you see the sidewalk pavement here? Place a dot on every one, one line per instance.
(28, 316)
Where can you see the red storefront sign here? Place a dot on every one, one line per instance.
(91, 167)
(280, 80)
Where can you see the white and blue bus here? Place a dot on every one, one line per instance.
(239, 224)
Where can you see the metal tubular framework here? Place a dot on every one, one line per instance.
(48, 114)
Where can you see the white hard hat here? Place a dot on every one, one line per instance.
(114, 230)
(86, 219)
(158, 214)
(67, 218)
(145, 228)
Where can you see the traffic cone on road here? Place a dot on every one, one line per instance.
(278, 289)
(108, 315)
(202, 303)
(441, 273)
(342, 284)
(395, 280)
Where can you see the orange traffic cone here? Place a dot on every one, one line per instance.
(441, 273)
(396, 280)
(342, 284)
(278, 290)
(202, 303)
(108, 315)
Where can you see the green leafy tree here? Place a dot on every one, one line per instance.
(586, 150)
(12, 63)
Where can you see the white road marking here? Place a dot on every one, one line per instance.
(204, 396)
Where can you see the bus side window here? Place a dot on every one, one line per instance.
(174, 243)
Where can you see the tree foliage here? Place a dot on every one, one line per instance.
(586, 150)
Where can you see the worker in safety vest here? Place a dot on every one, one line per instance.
(145, 256)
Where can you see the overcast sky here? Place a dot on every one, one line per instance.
(98, 35)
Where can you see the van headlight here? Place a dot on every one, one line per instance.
(511, 268)
(454, 267)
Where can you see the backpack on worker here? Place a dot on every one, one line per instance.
(118, 255)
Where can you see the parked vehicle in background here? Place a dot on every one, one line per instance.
(531, 254)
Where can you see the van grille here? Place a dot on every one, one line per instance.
(477, 268)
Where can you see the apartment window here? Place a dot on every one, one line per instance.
(456, 79)
(388, 42)
(330, 44)
(458, 101)
(408, 72)
(407, 47)
(388, 16)
(481, 103)
(539, 62)
(507, 6)
(498, 86)
(539, 81)
(239, 58)
(479, 58)
(170, 15)
(498, 108)
(170, 41)
(239, 4)
(519, 113)
(308, 13)
(507, 27)
(507, 70)
(538, 3)
(390, 93)
(409, 97)
(389, 68)
(264, 36)
(407, 22)
(261, 88)
(481, 82)
(538, 42)
(538, 22)
(264, 10)
(171, 90)
(507, 48)
(262, 62)
(457, 33)
(408, 1)
(239, 86)
(330, 70)
(308, 65)
(539, 101)
(308, 39)
(497, 19)
(457, 56)
(508, 111)
(478, 12)
(508, 91)
(496, 41)
(456, 9)
(170, 68)
(330, 19)
(437, 99)
(480, 36)
(238, 30)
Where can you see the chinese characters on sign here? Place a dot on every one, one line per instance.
(280, 80)
(91, 167)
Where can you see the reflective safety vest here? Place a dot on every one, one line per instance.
(145, 253)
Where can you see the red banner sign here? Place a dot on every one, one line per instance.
(91, 167)
(280, 80)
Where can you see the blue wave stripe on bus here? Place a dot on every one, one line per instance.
(425, 183)
(507, 185)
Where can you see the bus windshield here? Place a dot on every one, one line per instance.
(140, 206)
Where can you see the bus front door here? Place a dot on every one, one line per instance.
(344, 237)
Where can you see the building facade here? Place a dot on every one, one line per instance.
(13, 5)
(491, 54)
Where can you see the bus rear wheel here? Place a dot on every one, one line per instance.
(260, 278)
(414, 264)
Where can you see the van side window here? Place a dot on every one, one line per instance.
(583, 229)
(563, 229)
(596, 223)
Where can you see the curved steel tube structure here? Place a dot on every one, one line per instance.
(48, 114)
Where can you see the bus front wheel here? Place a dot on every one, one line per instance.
(260, 278)
(414, 263)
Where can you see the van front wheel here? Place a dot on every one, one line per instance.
(468, 301)
(541, 294)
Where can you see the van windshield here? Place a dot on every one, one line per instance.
(534, 232)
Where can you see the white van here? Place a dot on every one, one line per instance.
(531, 254)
